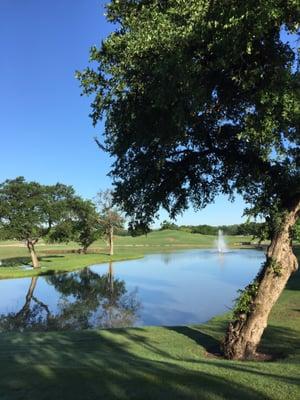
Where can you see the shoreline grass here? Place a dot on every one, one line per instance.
(55, 264)
(15, 254)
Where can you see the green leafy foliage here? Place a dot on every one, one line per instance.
(296, 231)
(245, 300)
(82, 224)
(87, 226)
(200, 98)
(29, 210)
(274, 266)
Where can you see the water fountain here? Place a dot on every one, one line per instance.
(221, 245)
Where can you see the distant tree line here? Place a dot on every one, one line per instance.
(255, 229)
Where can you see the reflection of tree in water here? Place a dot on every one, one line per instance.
(96, 300)
(167, 258)
(34, 315)
(87, 300)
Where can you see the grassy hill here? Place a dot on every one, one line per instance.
(171, 238)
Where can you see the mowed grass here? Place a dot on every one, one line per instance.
(153, 362)
(15, 254)
(149, 362)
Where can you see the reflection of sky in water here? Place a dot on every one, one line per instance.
(174, 288)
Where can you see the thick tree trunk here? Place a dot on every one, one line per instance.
(111, 241)
(34, 258)
(243, 335)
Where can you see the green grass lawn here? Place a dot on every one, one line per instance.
(58, 263)
(14, 254)
(152, 362)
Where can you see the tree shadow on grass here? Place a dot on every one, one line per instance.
(294, 282)
(15, 262)
(98, 365)
(209, 343)
(280, 342)
(19, 261)
(50, 256)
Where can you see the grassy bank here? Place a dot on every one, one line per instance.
(14, 254)
(152, 363)
(54, 264)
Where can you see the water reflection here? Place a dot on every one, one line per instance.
(183, 287)
(34, 314)
(86, 300)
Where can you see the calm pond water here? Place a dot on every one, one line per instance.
(177, 288)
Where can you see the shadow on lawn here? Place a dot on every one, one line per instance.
(294, 281)
(49, 256)
(210, 344)
(15, 262)
(93, 366)
(98, 365)
(279, 341)
(18, 261)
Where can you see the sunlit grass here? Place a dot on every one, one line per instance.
(15, 254)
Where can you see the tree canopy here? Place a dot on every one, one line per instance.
(28, 210)
(81, 225)
(199, 97)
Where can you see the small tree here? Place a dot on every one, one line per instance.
(87, 227)
(28, 211)
(110, 218)
(81, 225)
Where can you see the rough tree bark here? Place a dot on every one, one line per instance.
(34, 258)
(111, 241)
(243, 335)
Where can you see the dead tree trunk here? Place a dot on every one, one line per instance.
(34, 258)
(244, 334)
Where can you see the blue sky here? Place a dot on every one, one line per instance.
(46, 134)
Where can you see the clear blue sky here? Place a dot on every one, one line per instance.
(46, 134)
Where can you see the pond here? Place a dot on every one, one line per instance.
(183, 287)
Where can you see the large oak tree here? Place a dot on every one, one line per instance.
(201, 98)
